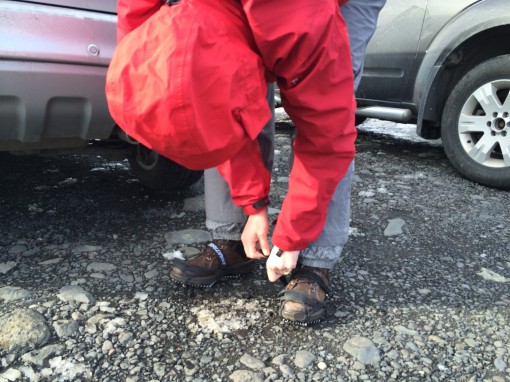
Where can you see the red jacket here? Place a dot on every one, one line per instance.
(315, 80)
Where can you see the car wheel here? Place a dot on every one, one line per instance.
(159, 173)
(475, 128)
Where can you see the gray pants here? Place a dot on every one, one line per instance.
(225, 220)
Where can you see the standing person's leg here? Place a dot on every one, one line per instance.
(361, 19)
(225, 255)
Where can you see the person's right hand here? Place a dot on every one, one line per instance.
(277, 266)
(254, 236)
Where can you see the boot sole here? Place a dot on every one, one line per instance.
(233, 272)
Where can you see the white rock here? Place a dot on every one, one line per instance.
(246, 376)
(75, 293)
(9, 293)
(489, 275)
(363, 350)
(11, 374)
(101, 267)
(6, 267)
(304, 358)
(251, 362)
(173, 255)
(394, 227)
(51, 261)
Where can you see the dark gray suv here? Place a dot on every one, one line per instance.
(53, 60)
(445, 65)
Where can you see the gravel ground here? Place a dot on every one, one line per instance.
(422, 292)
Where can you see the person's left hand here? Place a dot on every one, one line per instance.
(277, 266)
(254, 236)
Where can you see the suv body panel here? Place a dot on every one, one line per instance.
(107, 6)
(410, 74)
(388, 66)
(66, 51)
(474, 20)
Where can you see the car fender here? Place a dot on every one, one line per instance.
(473, 20)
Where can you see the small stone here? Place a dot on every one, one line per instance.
(151, 274)
(101, 267)
(142, 296)
(17, 249)
(303, 359)
(437, 340)
(251, 362)
(489, 275)
(126, 337)
(40, 356)
(75, 293)
(11, 374)
(394, 227)
(107, 346)
(65, 328)
(159, 369)
(404, 330)
(279, 359)
(85, 249)
(51, 261)
(500, 364)
(246, 376)
(363, 350)
(287, 371)
(6, 267)
(128, 278)
(9, 293)
(471, 342)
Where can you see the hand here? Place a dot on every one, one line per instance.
(277, 266)
(254, 236)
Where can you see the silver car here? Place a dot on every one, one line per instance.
(445, 65)
(53, 60)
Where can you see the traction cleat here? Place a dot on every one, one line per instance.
(221, 259)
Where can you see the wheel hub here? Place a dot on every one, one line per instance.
(499, 124)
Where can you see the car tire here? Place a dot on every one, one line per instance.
(159, 173)
(475, 127)
(359, 120)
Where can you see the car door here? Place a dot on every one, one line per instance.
(392, 52)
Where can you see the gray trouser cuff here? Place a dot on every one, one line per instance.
(320, 257)
(225, 231)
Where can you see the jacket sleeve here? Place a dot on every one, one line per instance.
(132, 13)
(248, 178)
(310, 56)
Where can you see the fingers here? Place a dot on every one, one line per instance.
(254, 236)
(264, 246)
(277, 266)
(252, 246)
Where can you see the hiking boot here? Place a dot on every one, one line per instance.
(220, 259)
(303, 299)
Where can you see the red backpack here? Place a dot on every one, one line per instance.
(188, 83)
